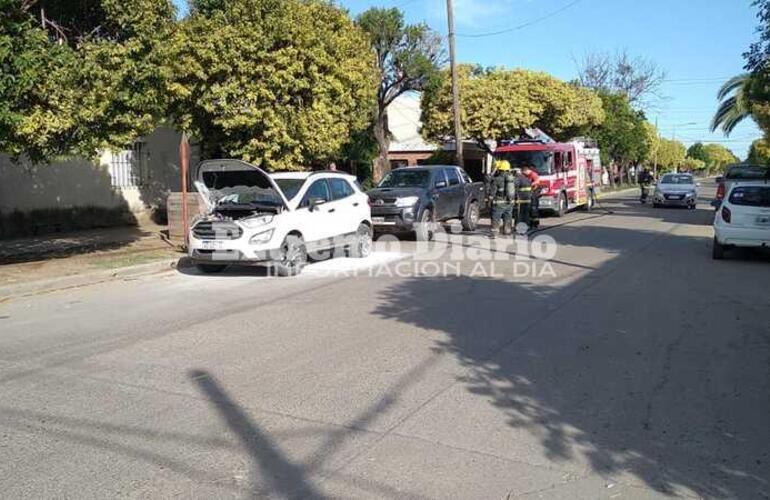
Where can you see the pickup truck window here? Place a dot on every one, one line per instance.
(453, 176)
(466, 177)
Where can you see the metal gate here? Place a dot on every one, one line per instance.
(128, 168)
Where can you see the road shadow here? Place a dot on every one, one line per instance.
(614, 370)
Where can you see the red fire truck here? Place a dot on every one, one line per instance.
(570, 172)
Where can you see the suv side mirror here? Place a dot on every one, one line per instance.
(440, 184)
(315, 202)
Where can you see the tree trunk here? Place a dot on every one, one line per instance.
(382, 135)
(612, 175)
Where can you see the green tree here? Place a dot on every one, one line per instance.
(622, 137)
(281, 83)
(735, 104)
(671, 154)
(718, 156)
(697, 152)
(499, 104)
(103, 89)
(32, 68)
(408, 59)
(759, 152)
(693, 164)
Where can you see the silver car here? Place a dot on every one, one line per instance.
(676, 190)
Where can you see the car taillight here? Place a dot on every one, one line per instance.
(720, 191)
(726, 214)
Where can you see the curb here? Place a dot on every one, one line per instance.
(610, 194)
(38, 287)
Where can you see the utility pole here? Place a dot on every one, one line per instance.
(655, 165)
(455, 84)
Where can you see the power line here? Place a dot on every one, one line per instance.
(524, 25)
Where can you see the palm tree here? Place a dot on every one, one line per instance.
(735, 103)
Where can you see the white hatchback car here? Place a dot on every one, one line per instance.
(743, 220)
(256, 217)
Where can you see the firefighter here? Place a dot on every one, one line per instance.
(523, 199)
(534, 179)
(503, 193)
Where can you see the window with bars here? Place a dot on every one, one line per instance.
(128, 168)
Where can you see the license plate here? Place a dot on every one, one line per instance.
(674, 197)
(378, 220)
(213, 245)
(763, 220)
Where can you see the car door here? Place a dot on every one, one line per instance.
(345, 204)
(441, 194)
(456, 192)
(318, 224)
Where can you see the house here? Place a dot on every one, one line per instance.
(408, 148)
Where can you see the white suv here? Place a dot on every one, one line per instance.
(743, 220)
(276, 218)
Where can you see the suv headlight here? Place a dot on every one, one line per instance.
(262, 238)
(255, 222)
(407, 202)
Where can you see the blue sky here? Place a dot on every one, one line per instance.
(697, 42)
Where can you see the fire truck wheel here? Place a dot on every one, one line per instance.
(562, 210)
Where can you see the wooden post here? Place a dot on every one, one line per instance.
(184, 155)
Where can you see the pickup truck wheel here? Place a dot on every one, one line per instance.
(425, 230)
(210, 268)
(471, 219)
(293, 256)
(361, 247)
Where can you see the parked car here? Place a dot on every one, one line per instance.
(736, 174)
(743, 220)
(254, 217)
(413, 199)
(679, 190)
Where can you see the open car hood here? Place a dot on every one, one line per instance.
(217, 180)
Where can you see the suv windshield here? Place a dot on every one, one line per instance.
(541, 161)
(751, 196)
(406, 178)
(676, 179)
(290, 187)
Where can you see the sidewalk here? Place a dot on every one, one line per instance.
(57, 261)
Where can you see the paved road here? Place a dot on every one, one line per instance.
(629, 366)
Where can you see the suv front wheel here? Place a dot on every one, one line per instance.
(293, 256)
(361, 246)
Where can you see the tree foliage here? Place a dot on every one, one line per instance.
(693, 164)
(499, 104)
(103, 91)
(622, 136)
(718, 156)
(671, 154)
(281, 83)
(637, 78)
(759, 152)
(408, 58)
(696, 152)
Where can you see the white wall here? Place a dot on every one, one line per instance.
(79, 182)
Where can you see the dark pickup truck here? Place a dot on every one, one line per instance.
(413, 199)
